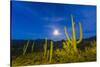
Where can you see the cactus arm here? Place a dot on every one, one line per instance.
(67, 35)
(26, 48)
(80, 39)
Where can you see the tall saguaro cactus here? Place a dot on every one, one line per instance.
(73, 41)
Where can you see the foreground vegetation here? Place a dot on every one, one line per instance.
(63, 55)
(67, 54)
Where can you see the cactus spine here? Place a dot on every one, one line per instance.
(45, 47)
(73, 41)
(51, 50)
(25, 47)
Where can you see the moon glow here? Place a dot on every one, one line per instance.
(56, 32)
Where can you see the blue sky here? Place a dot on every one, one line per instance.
(35, 20)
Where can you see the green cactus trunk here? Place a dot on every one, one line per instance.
(73, 35)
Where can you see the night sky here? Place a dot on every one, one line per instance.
(35, 20)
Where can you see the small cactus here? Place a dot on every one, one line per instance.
(51, 50)
(64, 45)
(25, 47)
(47, 54)
(32, 46)
(45, 47)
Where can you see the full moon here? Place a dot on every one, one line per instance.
(56, 32)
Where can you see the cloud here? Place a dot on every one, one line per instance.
(53, 19)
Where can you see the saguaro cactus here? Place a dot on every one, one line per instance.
(45, 47)
(73, 41)
(51, 50)
(25, 47)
